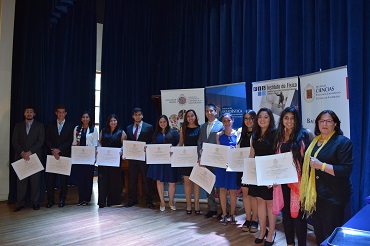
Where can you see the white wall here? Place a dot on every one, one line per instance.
(7, 9)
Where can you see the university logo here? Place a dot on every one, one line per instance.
(182, 99)
(309, 93)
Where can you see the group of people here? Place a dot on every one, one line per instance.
(323, 163)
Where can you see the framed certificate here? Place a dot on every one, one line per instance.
(236, 159)
(61, 166)
(133, 150)
(108, 157)
(215, 155)
(83, 155)
(249, 172)
(203, 177)
(24, 168)
(158, 153)
(184, 156)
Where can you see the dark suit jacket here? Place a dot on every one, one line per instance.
(63, 142)
(32, 142)
(335, 189)
(217, 127)
(146, 133)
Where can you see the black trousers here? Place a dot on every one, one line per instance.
(51, 186)
(293, 226)
(109, 186)
(84, 176)
(326, 218)
(134, 168)
(22, 185)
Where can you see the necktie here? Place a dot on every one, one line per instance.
(60, 127)
(28, 126)
(136, 130)
(209, 128)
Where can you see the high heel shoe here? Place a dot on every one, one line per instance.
(267, 243)
(259, 240)
(189, 211)
(197, 212)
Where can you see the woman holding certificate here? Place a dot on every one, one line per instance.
(85, 134)
(189, 134)
(163, 134)
(263, 144)
(109, 178)
(291, 137)
(250, 203)
(227, 180)
(326, 186)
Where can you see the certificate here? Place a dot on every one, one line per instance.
(249, 172)
(108, 157)
(236, 159)
(83, 155)
(24, 168)
(158, 154)
(61, 166)
(184, 156)
(215, 155)
(203, 177)
(133, 150)
(276, 169)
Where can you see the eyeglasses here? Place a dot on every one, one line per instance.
(326, 121)
(248, 118)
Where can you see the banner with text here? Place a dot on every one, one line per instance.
(275, 94)
(230, 98)
(325, 90)
(176, 102)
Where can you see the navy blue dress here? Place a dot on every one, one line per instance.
(164, 172)
(225, 179)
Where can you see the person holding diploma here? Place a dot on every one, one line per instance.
(163, 134)
(227, 180)
(291, 137)
(59, 138)
(244, 134)
(109, 178)
(85, 134)
(263, 144)
(28, 138)
(189, 134)
(327, 165)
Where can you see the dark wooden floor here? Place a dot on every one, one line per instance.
(73, 225)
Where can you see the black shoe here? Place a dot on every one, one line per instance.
(36, 206)
(210, 214)
(49, 204)
(130, 204)
(62, 203)
(259, 240)
(17, 209)
(85, 204)
(253, 227)
(149, 205)
(267, 243)
(101, 206)
(80, 203)
(246, 226)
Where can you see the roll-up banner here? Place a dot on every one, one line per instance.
(325, 90)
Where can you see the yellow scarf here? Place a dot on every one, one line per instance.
(307, 195)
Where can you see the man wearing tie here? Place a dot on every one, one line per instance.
(59, 138)
(207, 134)
(139, 131)
(28, 138)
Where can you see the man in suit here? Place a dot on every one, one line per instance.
(207, 134)
(28, 138)
(59, 137)
(139, 131)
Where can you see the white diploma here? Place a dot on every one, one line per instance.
(108, 156)
(133, 150)
(24, 168)
(215, 155)
(184, 156)
(61, 166)
(249, 172)
(203, 177)
(276, 169)
(158, 153)
(236, 159)
(83, 155)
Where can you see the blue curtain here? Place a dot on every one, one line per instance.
(53, 62)
(170, 44)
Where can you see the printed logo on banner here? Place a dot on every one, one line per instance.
(182, 99)
(261, 90)
(309, 93)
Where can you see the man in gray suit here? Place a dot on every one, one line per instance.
(207, 134)
(27, 139)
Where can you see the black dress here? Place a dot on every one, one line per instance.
(109, 178)
(190, 139)
(263, 146)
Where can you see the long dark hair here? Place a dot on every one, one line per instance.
(91, 126)
(296, 136)
(335, 119)
(167, 131)
(107, 126)
(244, 133)
(186, 123)
(257, 129)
